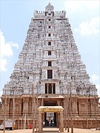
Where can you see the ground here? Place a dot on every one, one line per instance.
(54, 130)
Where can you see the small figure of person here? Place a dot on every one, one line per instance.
(30, 126)
(51, 122)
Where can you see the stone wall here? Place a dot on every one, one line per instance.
(84, 109)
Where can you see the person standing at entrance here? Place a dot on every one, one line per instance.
(51, 122)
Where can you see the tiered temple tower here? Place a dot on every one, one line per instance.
(50, 61)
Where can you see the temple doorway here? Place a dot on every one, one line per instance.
(48, 113)
(50, 119)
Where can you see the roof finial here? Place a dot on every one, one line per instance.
(49, 3)
(49, 7)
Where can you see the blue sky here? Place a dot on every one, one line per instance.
(83, 15)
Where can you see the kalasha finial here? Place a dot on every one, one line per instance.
(49, 7)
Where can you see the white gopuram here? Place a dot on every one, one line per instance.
(50, 60)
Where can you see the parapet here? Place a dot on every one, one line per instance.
(49, 9)
(39, 14)
(57, 14)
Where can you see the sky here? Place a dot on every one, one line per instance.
(83, 15)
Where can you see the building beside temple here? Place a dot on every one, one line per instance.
(49, 82)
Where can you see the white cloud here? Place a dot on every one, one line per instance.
(3, 63)
(74, 5)
(5, 51)
(94, 77)
(89, 27)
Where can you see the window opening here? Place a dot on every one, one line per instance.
(49, 52)
(49, 43)
(49, 74)
(49, 88)
(45, 88)
(49, 63)
(49, 34)
(53, 88)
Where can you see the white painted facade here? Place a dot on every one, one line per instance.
(49, 38)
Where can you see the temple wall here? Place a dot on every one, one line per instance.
(81, 111)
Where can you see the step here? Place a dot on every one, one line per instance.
(50, 130)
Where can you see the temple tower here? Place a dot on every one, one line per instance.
(50, 60)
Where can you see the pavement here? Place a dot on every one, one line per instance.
(53, 130)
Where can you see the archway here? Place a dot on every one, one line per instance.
(55, 109)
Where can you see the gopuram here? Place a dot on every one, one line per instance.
(49, 85)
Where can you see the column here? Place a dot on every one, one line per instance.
(65, 112)
(18, 111)
(61, 122)
(74, 107)
(52, 87)
(40, 122)
(47, 89)
(19, 102)
(25, 105)
(7, 106)
(25, 111)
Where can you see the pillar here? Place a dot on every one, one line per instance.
(25, 110)
(40, 122)
(25, 105)
(74, 106)
(61, 122)
(58, 119)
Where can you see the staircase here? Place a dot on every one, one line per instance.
(50, 130)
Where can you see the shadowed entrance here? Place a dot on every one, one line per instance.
(50, 118)
(58, 110)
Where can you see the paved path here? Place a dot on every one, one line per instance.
(54, 130)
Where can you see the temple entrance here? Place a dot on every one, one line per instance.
(50, 116)
(50, 119)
